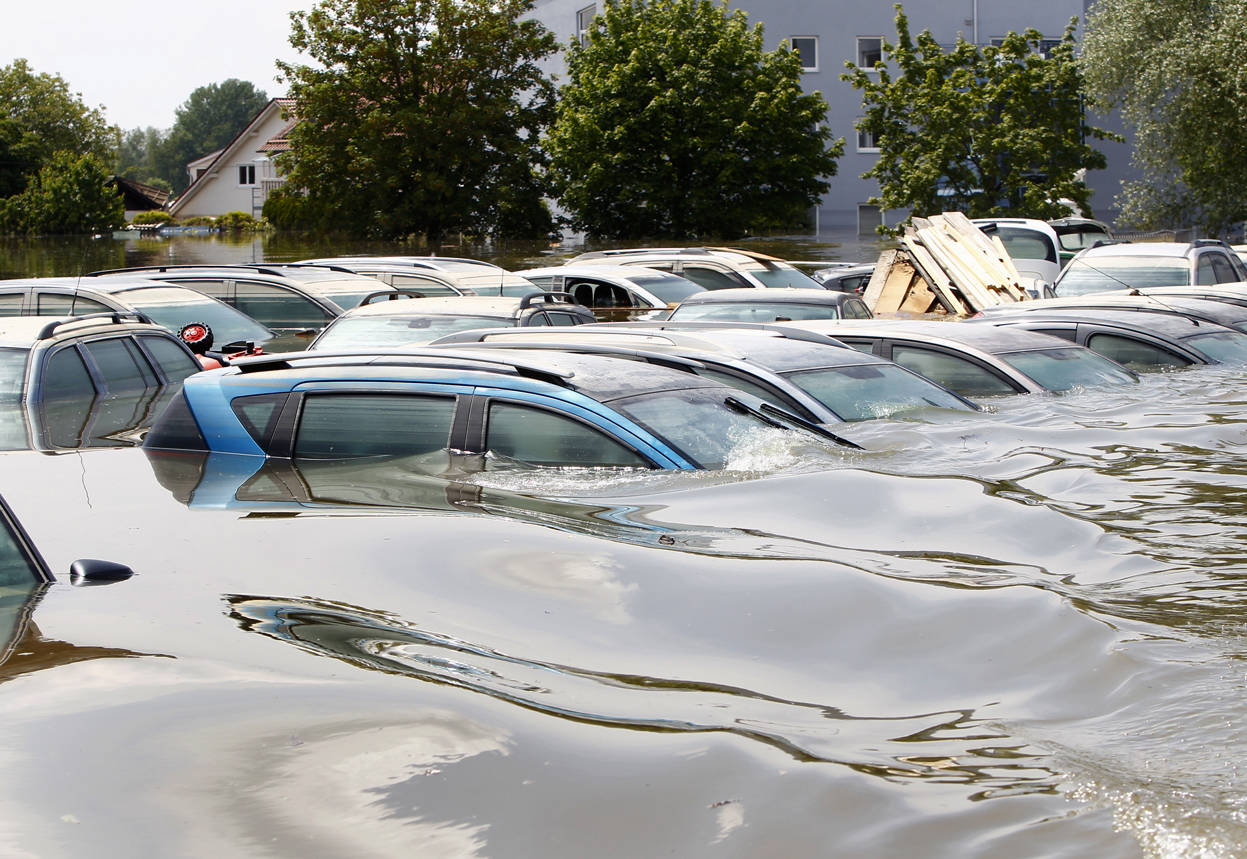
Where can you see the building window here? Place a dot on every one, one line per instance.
(246, 174)
(807, 48)
(866, 141)
(869, 51)
(584, 22)
(868, 218)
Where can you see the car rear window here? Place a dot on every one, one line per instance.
(120, 364)
(173, 307)
(542, 437)
(866, 391)
(1097, 274)
(176, 428)
(172, 359)
(1228, 347)
(697, 422)
(339, 426)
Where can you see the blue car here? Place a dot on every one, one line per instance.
(466, 409)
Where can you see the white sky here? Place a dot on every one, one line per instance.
(140, 62)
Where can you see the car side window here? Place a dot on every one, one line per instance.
(170, 358)
(710, 278)
(217, 288)
(277, 307)
(538, 318)
(57, 304)
(957, 374)
(541, 437)
(557, 318)
(11, 304)
(1205, 274)
(65, 375)
(1222, 269)
(855, 309)
(423, 285)
(1134, 354)
(120, 364)
(333, 426)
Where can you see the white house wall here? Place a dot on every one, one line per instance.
(219, 191)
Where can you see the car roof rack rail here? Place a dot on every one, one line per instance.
(138, 269)
(442, 358)
(114, 316)
(674, 362)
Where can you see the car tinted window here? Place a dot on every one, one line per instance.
(1135, 354)
(120, 364)
(865, 391)
(176, 428)
(710, 278)
(780, 274)
(16, 567)
(279, 308)
(696, 422)
(962, 375)
(333, 426)
(1222, 270)
(541, 437)
(750, 387)
(55, 304)
(538, 318)
(1062, 369)
(172, 359)
(666, 288)
(1226, 346)
(259, 413)
(423, 285)
(12, 371)
(1204, 273)
(11, 304)
(558, 318)
(175, 306)
(66, 375)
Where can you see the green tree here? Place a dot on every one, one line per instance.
(1174, 71)
(997, 130)
(207, 121)
(136, 157)
(676, 122)
(68, 195)
(40, 117)
(422, 117)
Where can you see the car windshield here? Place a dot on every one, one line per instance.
(754, 311)
(1228, 347)
(1064, 368)
(366, 332)
(1023, 243)
(697, 422)
(667, 287)
(174, 306)
(12, 372)
(773, 273)
(1097, 274)
(862, 392)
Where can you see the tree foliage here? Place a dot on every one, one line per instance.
(1175, 72)
(676, 122)
(70, 194)
(996, 130)
(422, 117)
(40, 117)
(207, 121)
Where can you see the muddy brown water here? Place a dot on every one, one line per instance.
(1018, 633)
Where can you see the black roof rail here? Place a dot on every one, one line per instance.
(390, 295)
(114, 316)
(674, 362)
(549, 297)
(259, 269)
(440, 358)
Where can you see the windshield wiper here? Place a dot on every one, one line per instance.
(784, 419)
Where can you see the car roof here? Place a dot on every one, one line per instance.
(783, 295)
(985, 338)
(453, 305)
(693, 252)
(1164, 324)
(25, 331)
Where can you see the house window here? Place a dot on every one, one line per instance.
(246, 174)
(868, 218)
(866, 141)
(807, 48)
(584, 21)
(869, 51)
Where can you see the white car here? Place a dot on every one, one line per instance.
(615, 292)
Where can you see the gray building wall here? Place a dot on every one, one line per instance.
(837, 25)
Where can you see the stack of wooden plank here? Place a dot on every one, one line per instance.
(945, 265)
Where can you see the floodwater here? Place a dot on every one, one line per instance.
(1016, 633)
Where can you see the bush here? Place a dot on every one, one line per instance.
(154, 216)
(237, 222)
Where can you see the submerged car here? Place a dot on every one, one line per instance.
(616, 293)
(711, 268)
(434, 276)
(1104, 268)
(978, 360)
(471, 410)
(846, 277)
(823, 382)
(415, 321)
(773, 305)
(1231, 315)
(1138, 341)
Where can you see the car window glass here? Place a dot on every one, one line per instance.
(423, 285)
(170, 357)
(1132, 353)
(11, 304)
(1204, 272)
(749, 387)
(709, 278)
(277, 307)
(66, 375)
(120, 364)
(12, 371)
(16, 568)
(1222, 270)
(856, 309)
(610, 295)
(56, 304)
(217, 288)
(175, 306)
(754, 311)
(538, 318)
(1064, 333)
(541, 437)
(1067, 367)
(557, 318)
(865, 391)
(259, 413)
(334, 426)
(957, 374)
(350, 332)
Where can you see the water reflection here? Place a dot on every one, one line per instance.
(66, 424)
(956, 746)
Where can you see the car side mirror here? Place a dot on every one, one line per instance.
(90, 571)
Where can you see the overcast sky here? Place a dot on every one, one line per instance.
(139, 62)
